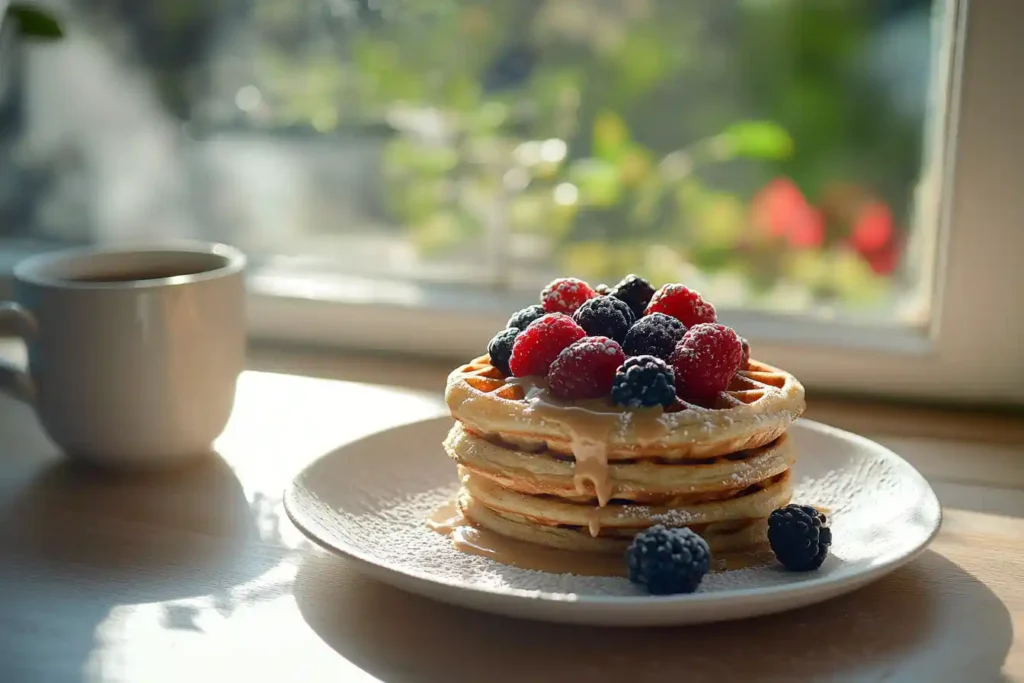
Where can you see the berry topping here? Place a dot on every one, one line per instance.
(565, 295)
(744, 353)
(604, 316)
(705, 361)
(682, 303)
(540, 343)
(635, 291)
(656, 335)
(668, 560)
(585, 369)
(526, 316)
(500, 348)
(800, 537)
(643, 382)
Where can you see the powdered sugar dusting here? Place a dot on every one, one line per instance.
(673, 518)
(682, 303)
(372, 499)
(565, 295)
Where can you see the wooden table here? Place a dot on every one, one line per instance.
(198, 575)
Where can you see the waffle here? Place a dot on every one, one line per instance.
(724, 538)
(646, 480)
(587, 476)
(760, 403)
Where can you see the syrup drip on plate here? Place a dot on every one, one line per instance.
(465, 537)
(446, 518)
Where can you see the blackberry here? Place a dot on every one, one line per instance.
(644, 381)
(654, 335)
(604, 316)
(799, 536)
(523, 318)
(668, 560)
(635, 291)
(500, 348)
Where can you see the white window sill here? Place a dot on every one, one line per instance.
(425, 320)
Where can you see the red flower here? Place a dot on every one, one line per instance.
(884, 262)
(775, 203)
(873, 231)
(807, 229)
(781, 210)
(874, 237)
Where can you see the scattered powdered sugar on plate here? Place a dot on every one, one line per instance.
(372, 499)
(397, 535)
(394, 533)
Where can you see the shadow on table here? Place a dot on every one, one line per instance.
(119, 539)
(1002, 502)
(930, 621)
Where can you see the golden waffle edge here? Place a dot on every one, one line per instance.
(758, 407)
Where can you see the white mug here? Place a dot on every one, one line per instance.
(133, 353)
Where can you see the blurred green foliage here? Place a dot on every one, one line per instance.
(557, 143)
(606, 137)
(33, 22)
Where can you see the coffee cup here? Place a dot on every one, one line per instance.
(133, 352)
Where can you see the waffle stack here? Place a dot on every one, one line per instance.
(588, 475)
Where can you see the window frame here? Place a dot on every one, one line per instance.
(969, 263)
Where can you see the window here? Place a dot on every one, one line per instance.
(396, 166)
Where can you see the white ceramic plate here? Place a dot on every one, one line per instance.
(368, 501)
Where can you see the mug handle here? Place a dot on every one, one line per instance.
(15, 381)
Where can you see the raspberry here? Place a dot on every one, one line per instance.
(682, 303)
(705, 361)
(745, 354)
(565, 295)
(540, 343)
(604, 316)
(655, 335)
(523, 318)
(644, 382)
(585, 369)
(635, 291)
(799, 536)
(500, 348)
(668, 560)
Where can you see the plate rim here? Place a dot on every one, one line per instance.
(403, 578)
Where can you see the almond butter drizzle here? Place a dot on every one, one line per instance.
(590, 424)
(465, 537)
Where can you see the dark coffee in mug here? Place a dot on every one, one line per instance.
(136, 275)
(146, 266)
